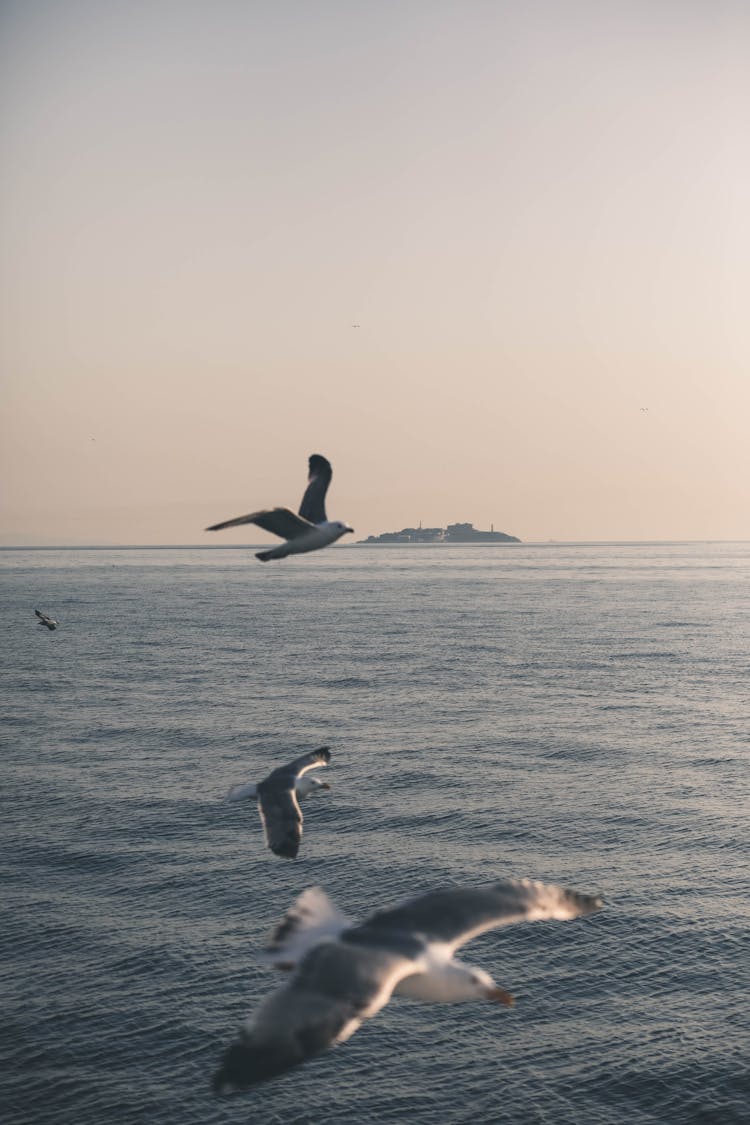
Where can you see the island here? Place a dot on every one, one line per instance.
(453, 533)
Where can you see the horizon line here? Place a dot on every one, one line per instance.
(347, 546)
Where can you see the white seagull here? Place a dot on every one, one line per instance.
(45, 620)
(345, 973)
(309, 530)
(278, 800)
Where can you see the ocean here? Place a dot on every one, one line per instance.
(576, 713)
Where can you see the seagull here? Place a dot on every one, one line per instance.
(45, 620)
(343, 974)
(278, 800)
(307, 531)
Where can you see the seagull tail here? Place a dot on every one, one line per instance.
(241, 792)
(310, 919)
(276, 552)
(273, 553)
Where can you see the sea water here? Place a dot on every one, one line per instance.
(575, 713)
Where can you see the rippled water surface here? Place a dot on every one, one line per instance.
(575, 713)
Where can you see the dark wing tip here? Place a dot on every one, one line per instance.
(324, 754)
(287, 849)
(313, 507)
(561, 902)
(586, 904)
(243, 1065)
(318, 464)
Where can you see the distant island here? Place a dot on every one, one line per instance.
(453, 533)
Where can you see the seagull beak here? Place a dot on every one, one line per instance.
(500, 996)
(324, 785)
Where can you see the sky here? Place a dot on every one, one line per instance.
(490, 258)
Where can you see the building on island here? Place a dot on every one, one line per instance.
(453, 533)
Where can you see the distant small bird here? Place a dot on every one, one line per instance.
(344, 973)
(278, 800)
(45, 620)
(308, 531)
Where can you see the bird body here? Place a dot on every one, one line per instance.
(311, 538)
(307, 530)
(343, 974)
(48, 622)
(278, 798)
(303, 787)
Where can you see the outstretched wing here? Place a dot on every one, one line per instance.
(310, 761)
(278, 804)
(336, 986)
(279, 521)
(313, 506)
(282, 819)
(455, 915)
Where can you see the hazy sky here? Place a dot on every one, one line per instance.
(536, 211)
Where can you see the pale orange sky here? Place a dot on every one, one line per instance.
(536, 212)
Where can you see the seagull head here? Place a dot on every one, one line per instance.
(453, 981)
(307, 785)
(333, 530)
(480, 986)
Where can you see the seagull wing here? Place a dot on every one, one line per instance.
(455, 915)
(336, 986)
(314, 759)
(313, 506)
(279, 521)
(278, 804)
(281, 817)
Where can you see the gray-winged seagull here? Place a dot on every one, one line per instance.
(278, 802)
(45, 620)
(307, 531)
(344, 973)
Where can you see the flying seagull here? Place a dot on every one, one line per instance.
(307, 531)
(344, 973)
(45, 620)
(278, 800)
